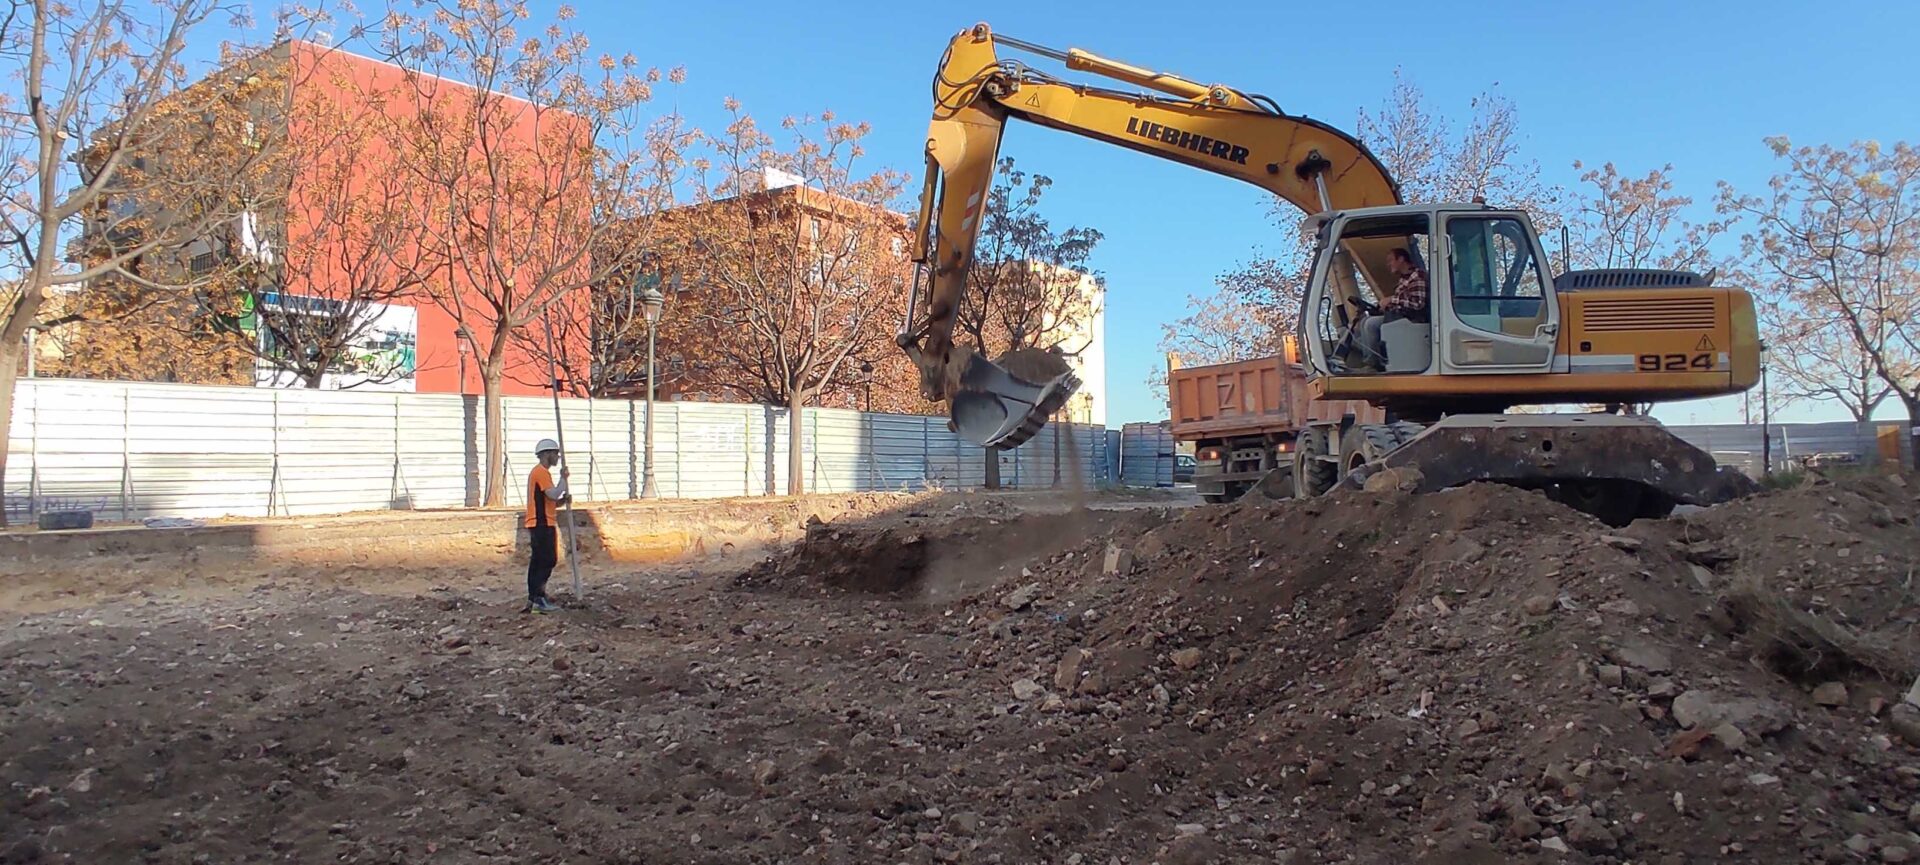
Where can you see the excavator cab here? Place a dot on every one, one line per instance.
(1489, 308)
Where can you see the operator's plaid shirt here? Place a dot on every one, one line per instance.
(1410, 296)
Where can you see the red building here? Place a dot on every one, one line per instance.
(357, 218)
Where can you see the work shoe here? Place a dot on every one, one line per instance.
(547, 606)
(537, 605)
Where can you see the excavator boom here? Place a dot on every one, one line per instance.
(1215, 128)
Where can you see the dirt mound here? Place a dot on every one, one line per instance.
(1484, 675)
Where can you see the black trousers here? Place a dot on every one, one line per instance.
(544, 542)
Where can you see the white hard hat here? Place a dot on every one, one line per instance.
(545, 445)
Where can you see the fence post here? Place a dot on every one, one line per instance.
(126, 451)
(273, 473)
(33, 453)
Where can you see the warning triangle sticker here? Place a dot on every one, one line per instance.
(1705, 344)
(1033, 99)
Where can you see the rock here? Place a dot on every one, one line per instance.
(1092, 685)
(1708, 553)
(1830, 694)
(1467, 729)
(1021, 598)
(1610, 675)
(561, 664)
(766, 773)
(343, 627)
(1066, 676)
(83, 782)
(413, 690)
(1643, 655)
(1913, 815)
(1730, 737)
(1876, 705)
(1401, 479)
(1318, 771)
(1186, 659)
(1027, 689)
(1622, 607)
(1119, 561)
(1587, 833)
(454, 642)
(1895, 854)
(1161, 697)
(1555, 844)
(1754, 716)
(1538, 605)
(1904, 720)
(1662, 688)
(1859, 845)
(1762, 779)
(1185, 830)
(1622, 543)
(1702, 577)
(1913, 693)
(963, 823)
(1053, 703)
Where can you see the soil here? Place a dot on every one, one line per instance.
(1474, 676)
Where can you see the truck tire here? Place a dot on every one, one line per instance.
(1365, 443)
(1313, 476)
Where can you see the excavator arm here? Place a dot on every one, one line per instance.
(1211, 127)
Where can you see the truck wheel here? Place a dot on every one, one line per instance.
(1365, 443)
(1313, 476)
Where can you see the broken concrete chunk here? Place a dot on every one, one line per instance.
(1067, 675)
(1021, 598)
(1755, 716)
(1027, 689)
(1119, 561)
(1622, 543)
(1830, 694)
(1186, 659)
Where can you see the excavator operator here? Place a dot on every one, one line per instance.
(1409, 301)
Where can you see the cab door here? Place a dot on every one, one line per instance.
(1492, 299)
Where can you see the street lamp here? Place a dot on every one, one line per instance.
(1766, 415)
(866, 376)
(651, 300)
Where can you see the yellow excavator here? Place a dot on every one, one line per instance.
(1496, 331)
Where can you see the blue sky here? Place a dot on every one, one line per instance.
(1641, 84)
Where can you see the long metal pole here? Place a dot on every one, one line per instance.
(1766, 426)
(647, 489)
(560, 432)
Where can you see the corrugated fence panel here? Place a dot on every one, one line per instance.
(438, 451)
(198, 451)
(1146, 455)
(182, 450)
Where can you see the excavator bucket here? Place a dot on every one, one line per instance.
(995, 408)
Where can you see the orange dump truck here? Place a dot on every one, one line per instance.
(1242, 418)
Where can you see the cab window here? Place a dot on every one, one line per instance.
(1496, 282)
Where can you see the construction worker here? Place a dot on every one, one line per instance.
(544, 498)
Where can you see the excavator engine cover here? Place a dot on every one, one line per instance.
(997, 409)
(1618, 468)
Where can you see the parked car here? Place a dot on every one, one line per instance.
(1183, 465)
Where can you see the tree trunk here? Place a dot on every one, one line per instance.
(12, 343)
(796, 441)
(1056, 452)
(495, 468)
(312, 379)
(1913, 429)
(992, 468)
(9, 374)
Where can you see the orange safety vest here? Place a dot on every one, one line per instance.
(542, 510)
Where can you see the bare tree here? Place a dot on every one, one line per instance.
(786, 288)
(1623, 221)
(94, 88)
(1836, 244)
(1028, 289)
(531, 151)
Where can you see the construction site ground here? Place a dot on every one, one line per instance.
(1475, 676)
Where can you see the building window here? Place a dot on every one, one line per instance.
(201, 264)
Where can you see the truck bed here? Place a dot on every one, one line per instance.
(1250, 397)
